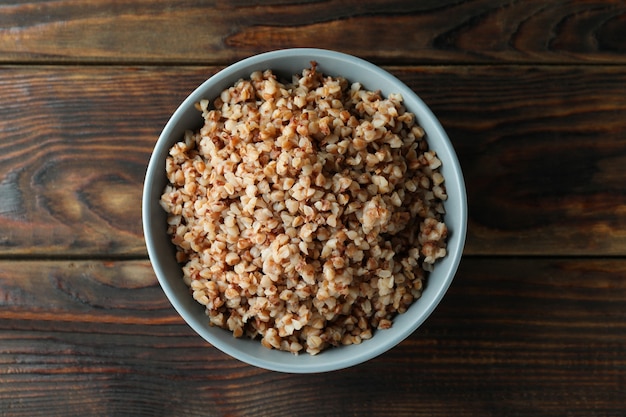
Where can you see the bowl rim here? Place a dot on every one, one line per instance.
(320, 362)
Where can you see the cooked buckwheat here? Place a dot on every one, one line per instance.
(308, 213)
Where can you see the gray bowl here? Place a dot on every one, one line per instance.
(162, 253)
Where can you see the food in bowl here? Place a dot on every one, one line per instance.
(305, 213)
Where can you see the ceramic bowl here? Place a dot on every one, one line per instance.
(162, 253)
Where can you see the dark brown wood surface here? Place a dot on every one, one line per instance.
(533, 97)
(199, 32)
(543, 150)
(512, 337)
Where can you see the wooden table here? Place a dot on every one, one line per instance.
(533, 96)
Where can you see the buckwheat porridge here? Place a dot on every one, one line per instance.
(306, 214)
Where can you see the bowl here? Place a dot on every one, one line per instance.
(162, 252)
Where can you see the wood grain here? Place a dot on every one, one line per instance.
(196, 32)
(543, 150)
(76, 144)
(522, 337)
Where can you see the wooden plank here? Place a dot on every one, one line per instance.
(197, 32)
(523, 337)
(76, 144)
(543, 151)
